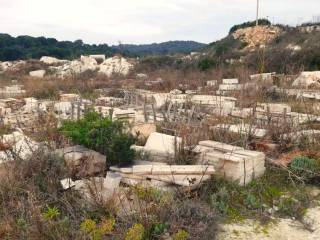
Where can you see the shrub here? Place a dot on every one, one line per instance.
(206, 64)
(181, 235)
(304, 167)
(51, 213)
(136, 232)
(103, 135)
(274, 190)
(96, 232)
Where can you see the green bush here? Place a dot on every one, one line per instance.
(102, 135)
(304, 167)
(206, 64)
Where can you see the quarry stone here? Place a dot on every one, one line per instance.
(37, 73)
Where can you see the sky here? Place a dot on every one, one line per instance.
(143, 21)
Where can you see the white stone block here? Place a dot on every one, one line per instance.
(230, 81)
(37, 74)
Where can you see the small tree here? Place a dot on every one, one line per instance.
(102, 135)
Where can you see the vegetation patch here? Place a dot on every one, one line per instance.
(102, 135)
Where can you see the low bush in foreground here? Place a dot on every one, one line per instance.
(274, 194)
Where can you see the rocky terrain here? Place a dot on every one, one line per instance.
(163, 147)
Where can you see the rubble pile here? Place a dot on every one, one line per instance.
(307, 79)
(12, 91)
(17, 146)
(116, 65)
(257, 36)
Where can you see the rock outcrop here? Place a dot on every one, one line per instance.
(257, 36)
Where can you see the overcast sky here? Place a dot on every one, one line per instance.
(143, 21)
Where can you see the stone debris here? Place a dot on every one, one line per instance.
(70, 97)
(181, 175)
(8, 140)
(18, 146)
(37, 73)
(109, 101)
(115, 65)
(175, 92)
(51, 60)
(12, 91)
(80, 66)
(242, 129)
(95, 63)
(212, 83)
(273, 107)
(232, 162)
(83, 162)
(263, 77)
(231, 81)
(142, 76)
(257, 36)
(143, 130)
(117, 113)
(310, 29)
(98, 57)
(11, 66)
(309, 134)
(307, 79)
(95, 189)
(294, 48)
(229, 85)
(31, 105)
(160, 147)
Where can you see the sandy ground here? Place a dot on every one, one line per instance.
(282, 229)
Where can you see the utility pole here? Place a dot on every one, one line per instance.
(257, 21)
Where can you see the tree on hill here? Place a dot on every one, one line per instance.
(264, 22)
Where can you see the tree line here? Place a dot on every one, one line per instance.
(27, 47)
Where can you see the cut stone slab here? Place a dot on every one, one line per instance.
(223, 147)
(67, 183)
(243, 129)
(212, 83)
(83, 162)
(230, 81)
(37, 73)
(172, 170)
(162, 143)
(96, 189)
(51, 60)
(274, 107)
(233, 163)
(175, 92)
(181, 180)
(263, 77)
(230, 87)
(310, 134)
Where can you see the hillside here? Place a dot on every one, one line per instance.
(26, 47)
(270, 48)
(171, 47)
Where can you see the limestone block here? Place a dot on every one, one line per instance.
(37, 73)
(230, 81)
